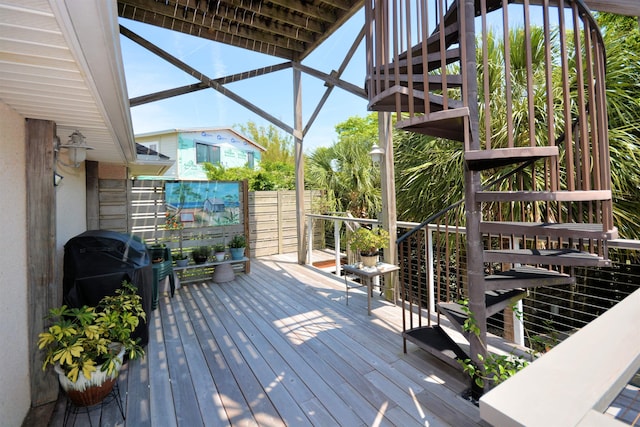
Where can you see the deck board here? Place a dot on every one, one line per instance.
(279, 346)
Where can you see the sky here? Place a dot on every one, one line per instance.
(147, 73)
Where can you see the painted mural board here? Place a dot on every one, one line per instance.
(234, 151)
(193, 204)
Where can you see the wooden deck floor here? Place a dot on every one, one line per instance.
(279, 346)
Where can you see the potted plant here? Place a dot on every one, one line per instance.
(201, 254)
(218, 251)
(368, 242)
(181, 259)
(236, 246)
(87, 345)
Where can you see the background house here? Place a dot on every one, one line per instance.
(190, 148)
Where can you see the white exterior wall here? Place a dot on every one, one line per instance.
(167, 145)
(71, 212)
(15, 397)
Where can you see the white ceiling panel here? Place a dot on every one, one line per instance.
(53, 57)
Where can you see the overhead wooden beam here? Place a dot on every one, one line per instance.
(338, 73)
(332, 80)
(312, 11)
(203, 78)
(224, 31)
(267, 13)
(170, 93)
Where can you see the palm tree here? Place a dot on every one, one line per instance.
(429, 170)
(344, 170)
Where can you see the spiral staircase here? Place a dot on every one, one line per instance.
(549, 208)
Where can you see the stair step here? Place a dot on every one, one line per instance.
(386, 100)
(447, 124)
(495, 300)
(451, 27)
(489, 159)
(435, 340)
(451, 37)
(527, 277)
(453, 311)
(546, 257)
(536, 196)
(434, 61)
(435, 81)
(564, 230)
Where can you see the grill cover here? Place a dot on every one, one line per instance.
(95, 264)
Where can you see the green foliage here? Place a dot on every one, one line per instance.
(494, 368)
(270, 176)
(201, 252)
(367, 242)
(344, 170)
(279, 147)
(80, 339)
(276, 169)
(429, 170)
(238, 241)
(218, 247)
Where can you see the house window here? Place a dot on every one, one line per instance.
(250, 162)
(152, 147)
(207, 153)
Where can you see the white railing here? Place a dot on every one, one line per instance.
(338, 221)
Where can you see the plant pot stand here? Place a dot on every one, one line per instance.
(71, 410)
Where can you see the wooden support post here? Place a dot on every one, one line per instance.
(388, 188)
(297, 139)
(43, 292)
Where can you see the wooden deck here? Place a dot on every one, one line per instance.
(279, 346)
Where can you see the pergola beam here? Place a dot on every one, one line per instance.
(203, 78)
(169, 93)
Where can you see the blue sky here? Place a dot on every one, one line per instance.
(146, 73)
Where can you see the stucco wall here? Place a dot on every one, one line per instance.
(14, 352)
(71, 216)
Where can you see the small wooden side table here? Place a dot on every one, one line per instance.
(366, 275)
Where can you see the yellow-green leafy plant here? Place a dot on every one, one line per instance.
(368, 242)
(494, 368)
(83, 339)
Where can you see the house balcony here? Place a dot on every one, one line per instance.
(280, 346)
(592, 373)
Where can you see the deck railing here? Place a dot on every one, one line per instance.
(429, 263)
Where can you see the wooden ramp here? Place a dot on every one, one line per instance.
(279, 346)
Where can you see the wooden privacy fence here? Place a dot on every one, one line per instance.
(270, 219)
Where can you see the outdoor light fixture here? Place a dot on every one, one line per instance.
(76, 147)
(377, 154)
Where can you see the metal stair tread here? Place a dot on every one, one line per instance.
(444, 124)
(526, 277)
(545, 257)
(554, 229)
(434, 62)
(495, 301)
(385, 100)
(435, 81)
(435, 340)
(497, 157)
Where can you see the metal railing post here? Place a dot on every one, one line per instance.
(429, 269)
(336, 238)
